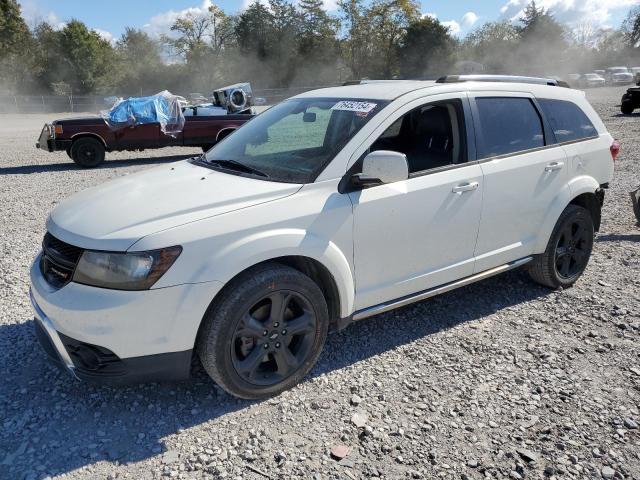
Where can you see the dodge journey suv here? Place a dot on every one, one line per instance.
(330, 207)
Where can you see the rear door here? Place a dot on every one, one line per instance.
(524, 171)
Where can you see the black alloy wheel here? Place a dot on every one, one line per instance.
(568, 250)
(573, 248)
(274, 338)
(264, 331)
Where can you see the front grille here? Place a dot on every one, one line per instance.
(58, 261)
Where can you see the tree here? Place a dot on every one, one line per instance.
(139, 62)
(318, 47)
(426, 48)
(88, 60)
(492, 45)
(355, 44)
(15, 44)
(539, 32)
(389, 20)
(631, 28)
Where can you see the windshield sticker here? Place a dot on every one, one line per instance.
(361, 108)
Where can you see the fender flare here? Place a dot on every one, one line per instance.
(238, 256)
(576, 187)
(75, 136)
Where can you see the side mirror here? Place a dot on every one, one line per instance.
(382, 166)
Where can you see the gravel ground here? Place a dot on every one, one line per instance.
(502, 379)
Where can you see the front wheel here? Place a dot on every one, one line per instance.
(87, 152)
(265, 332)
(626, 106)
(568, 251)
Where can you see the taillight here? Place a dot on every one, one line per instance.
(615, 149)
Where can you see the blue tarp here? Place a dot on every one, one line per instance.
(162, 108)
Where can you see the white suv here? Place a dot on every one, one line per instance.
(330, 207)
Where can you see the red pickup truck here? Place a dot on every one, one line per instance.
(87, 139)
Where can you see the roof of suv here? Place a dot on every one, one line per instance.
(390, 90)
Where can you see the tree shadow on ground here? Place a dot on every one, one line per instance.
(53, 424)
(70, 166)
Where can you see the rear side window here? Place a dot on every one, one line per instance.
(508, 125)
(567, 120)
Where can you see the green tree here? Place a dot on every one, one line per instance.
(492, 45)
(540, 32)
(15, 45)
(631, 28)
(140, 63)
(87, 60)
(426, 49)
(355, 44)
(318, 47)
(389, 21)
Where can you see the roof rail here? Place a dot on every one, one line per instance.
(502, 78)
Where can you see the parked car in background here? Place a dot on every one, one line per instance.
(330, 207)
(602, 73)
(591, 80)
(619, 76)
(573, 79)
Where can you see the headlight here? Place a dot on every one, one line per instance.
(124, 271)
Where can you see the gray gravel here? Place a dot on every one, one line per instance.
(502, 379)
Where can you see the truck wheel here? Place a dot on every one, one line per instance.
(264, 333)
(68, 150)
(568, 250)
(87, 152)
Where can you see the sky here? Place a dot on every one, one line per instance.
(110, 18)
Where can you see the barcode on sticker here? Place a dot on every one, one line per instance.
(351, 106)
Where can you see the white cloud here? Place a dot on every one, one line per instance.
(454, 27)
(33, 14)
(161, 23)
(108, 36)
(469, 19)
(430, 14)
(571, 12)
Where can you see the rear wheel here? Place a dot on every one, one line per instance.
(568, 251)
(265, 332)
(87, 152)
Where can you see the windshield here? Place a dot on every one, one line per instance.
(296, 139)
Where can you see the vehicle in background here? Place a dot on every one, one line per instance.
(573, 79)
(618, 76)
(602, 73)
(630, 100)
(87, 139)
(591, 80)
(333, 206)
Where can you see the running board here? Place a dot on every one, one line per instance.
(401, 302)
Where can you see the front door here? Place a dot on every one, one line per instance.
(419, 233)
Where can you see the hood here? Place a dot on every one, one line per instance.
(89, 120)
(116, 214)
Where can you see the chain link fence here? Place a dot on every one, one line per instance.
(95, 103)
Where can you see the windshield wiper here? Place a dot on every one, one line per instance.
(235, 165)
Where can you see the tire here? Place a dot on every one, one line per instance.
(239, 326)
(68, 150)
(627, 107)
(87, 152)
(568, 251)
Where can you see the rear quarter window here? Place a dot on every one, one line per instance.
(567, 120)
(508, 125)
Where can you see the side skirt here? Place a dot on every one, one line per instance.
(432, 292)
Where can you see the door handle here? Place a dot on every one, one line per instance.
(554, 166)
(465, 187)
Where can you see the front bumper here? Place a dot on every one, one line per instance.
(49, 143)
(119, 337)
